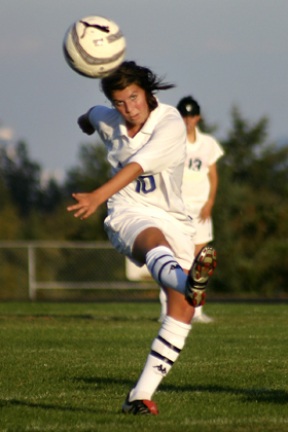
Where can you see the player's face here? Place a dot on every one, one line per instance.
(132, 105)
(191, 122)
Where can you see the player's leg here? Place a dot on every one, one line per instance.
(203, 236)
(142, 240)
(199, 315)
(166, 268)
(165, 350)
(175, 328)
(163, 304)
(152, 248)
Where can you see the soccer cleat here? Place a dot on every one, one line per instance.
(139, 407)
(202, 318)
(199, 274)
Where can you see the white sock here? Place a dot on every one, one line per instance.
(165, 269)
(197, 311)
(164, 352)
(163, 302)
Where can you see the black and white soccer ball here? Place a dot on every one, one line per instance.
(94, 46)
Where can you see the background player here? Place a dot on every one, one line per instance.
(200, 181)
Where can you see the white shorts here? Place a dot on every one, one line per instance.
(123, 228)
(204, 231)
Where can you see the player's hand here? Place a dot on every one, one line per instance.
(206, 211)
(87, 204)
(85, 125)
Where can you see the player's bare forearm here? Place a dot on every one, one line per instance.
(125, 176)
(213, 180)
(88, 203)
(206, 211)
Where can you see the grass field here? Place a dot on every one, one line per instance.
(68, 367)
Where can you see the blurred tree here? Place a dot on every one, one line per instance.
(243, 144)
(50, 197)
(10, 223)
(250, 214)
(22, 178)
(93, 170)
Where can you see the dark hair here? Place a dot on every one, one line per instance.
(188, 106)
(130, 73)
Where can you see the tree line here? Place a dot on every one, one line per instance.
(250, 214)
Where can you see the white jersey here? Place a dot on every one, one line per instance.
(205, 151)
(159, 148)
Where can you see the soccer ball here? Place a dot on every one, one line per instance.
(94, 46)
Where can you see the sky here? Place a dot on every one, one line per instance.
(224, 53)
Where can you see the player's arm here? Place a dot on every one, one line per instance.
(206, 210)
(87, 203)
(213, 179)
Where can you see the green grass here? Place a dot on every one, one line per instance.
(68, 367)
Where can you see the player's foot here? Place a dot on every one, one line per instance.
(199, 274)
(139, 407)
(202, 318)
